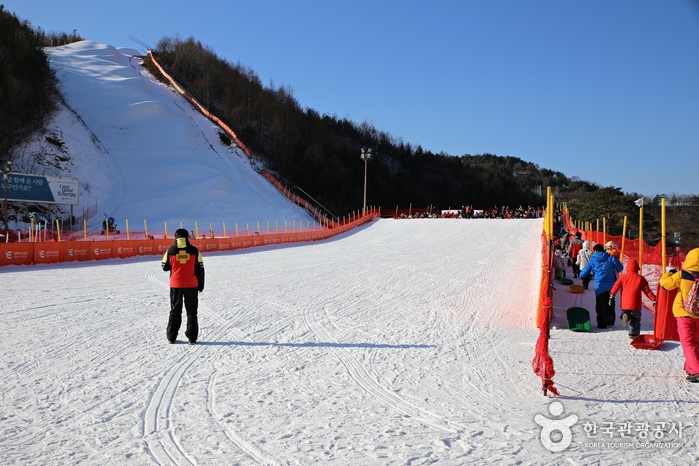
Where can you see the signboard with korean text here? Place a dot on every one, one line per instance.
(46, 189)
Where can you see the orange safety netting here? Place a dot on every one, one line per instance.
(397, 213)
(649, 256)
(54, 247)
(298, 200)
(200, 107)
(542, 362)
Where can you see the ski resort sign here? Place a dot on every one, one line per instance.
(46, 189)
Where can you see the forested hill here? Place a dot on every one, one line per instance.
(321, 153)
(28, 85)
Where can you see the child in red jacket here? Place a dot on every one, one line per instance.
(632, 285)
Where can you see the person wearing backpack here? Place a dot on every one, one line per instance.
(632, 284)
(687, 323)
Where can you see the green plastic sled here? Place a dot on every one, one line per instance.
(566, 281)
(578, 319)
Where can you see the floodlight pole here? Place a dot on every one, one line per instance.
(366, 156)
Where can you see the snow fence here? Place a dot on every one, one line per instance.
(52, 252)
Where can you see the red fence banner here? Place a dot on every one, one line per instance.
(16, 253)
(77, 249)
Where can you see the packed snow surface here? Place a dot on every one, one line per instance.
(404, 342)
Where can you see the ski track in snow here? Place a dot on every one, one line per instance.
(158, 429)
(363, 375)
(368, 382)
(403, 342)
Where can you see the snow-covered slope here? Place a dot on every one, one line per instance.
(142, 152)
(404, 342)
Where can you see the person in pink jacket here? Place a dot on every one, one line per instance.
(687, 324)
(632, 284)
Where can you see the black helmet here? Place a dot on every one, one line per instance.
(181, 233)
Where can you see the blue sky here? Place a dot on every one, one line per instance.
(603, 90)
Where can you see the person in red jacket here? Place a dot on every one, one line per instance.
(631, 285)
(186, 267)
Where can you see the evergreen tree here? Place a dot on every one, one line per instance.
(28, 85)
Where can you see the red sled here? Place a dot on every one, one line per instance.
(646, 341)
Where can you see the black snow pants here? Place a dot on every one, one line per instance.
(190, 297)
(605, 312)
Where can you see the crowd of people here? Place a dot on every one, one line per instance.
(603, 263)
(470, 212)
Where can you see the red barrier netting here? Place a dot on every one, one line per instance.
(542, 362)
(50, 246)
(651, 259)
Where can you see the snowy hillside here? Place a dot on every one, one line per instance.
(142, 152)
(404, 342)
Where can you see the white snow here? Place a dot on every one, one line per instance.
(142, 153)
(402, 342)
